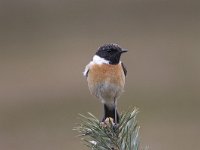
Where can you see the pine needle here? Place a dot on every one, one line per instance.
(110, 136)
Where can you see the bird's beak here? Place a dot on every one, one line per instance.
(124, 51)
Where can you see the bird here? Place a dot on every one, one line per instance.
(105, 76)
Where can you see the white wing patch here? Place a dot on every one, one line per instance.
(87, 69)
(96, 60)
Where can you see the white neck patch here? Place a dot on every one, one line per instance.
(99, 60)
(96, 60)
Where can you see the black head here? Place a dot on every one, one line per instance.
(110, 52)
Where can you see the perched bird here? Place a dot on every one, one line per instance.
(106, 78)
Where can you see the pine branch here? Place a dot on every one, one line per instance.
(109, 136)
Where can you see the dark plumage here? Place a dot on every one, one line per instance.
(110, 52)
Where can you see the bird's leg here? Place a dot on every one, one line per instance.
(115, 105)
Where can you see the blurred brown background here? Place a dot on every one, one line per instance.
(45, 45)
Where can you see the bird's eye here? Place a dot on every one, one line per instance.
(109, 50)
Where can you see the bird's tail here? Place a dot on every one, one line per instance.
(111, 111)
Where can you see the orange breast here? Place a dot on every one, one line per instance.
(106, 73)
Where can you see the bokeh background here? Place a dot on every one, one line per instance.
(45, 45)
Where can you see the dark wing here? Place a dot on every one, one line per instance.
(124, 69)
